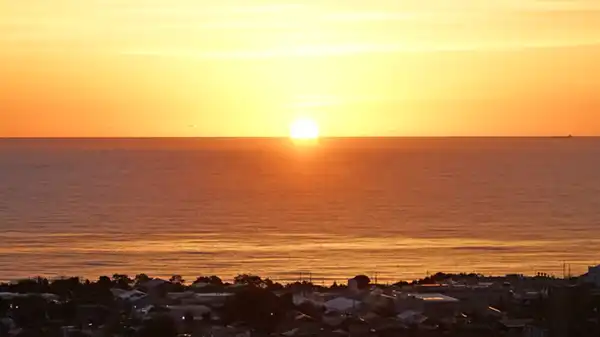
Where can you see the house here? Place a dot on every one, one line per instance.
(211, 299)
(153, 283)
(178, 312)
(127, 295)
(411, 317)
(135, 298)
(432, 305)
(478, 297)
(515, 327)
(342, 305)
(377, 300)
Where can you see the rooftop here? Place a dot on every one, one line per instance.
(434, 297)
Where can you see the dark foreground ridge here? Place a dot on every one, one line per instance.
(440, 305)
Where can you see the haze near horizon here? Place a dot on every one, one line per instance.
(251, 68)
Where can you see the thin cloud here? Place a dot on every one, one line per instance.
(371, 16)
(208, 29)
(321, 101)
(348, 50)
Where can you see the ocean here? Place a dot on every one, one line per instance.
(391, 208)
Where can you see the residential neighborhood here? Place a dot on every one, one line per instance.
(439, 305)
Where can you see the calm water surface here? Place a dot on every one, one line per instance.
(398, 207)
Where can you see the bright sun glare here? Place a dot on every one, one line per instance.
(304, 128)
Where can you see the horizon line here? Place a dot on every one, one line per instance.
(287, 137)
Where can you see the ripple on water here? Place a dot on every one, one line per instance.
(400, 208)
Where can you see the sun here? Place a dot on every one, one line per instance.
(304, 128)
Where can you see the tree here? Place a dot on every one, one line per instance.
(362, 281)
(177, 279)
(250, 280)
(177, 283)
(122, 281)
(212, 280)
(215, 280)
(34, 285)
(270, 285)
(257, 307)
(42, 283)
(141, 278)
(401, 283)
(95, 293)
(105, 282)
(65, 287)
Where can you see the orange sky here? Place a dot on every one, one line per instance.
(249, 67)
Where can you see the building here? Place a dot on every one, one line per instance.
(593, 276)
(433, 305)
(210, 299)
(197, 311)
(478, 297)
(572, 311)
(342, 305)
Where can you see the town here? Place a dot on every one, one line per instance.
(453, 305)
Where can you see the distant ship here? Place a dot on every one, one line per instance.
(563, 137)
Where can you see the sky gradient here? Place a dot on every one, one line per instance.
(111, 68)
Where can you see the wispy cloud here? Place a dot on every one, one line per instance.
(320, 101)
(262, 29)
(346, 50)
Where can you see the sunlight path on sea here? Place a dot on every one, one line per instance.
(396, 207)
(282, 257)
